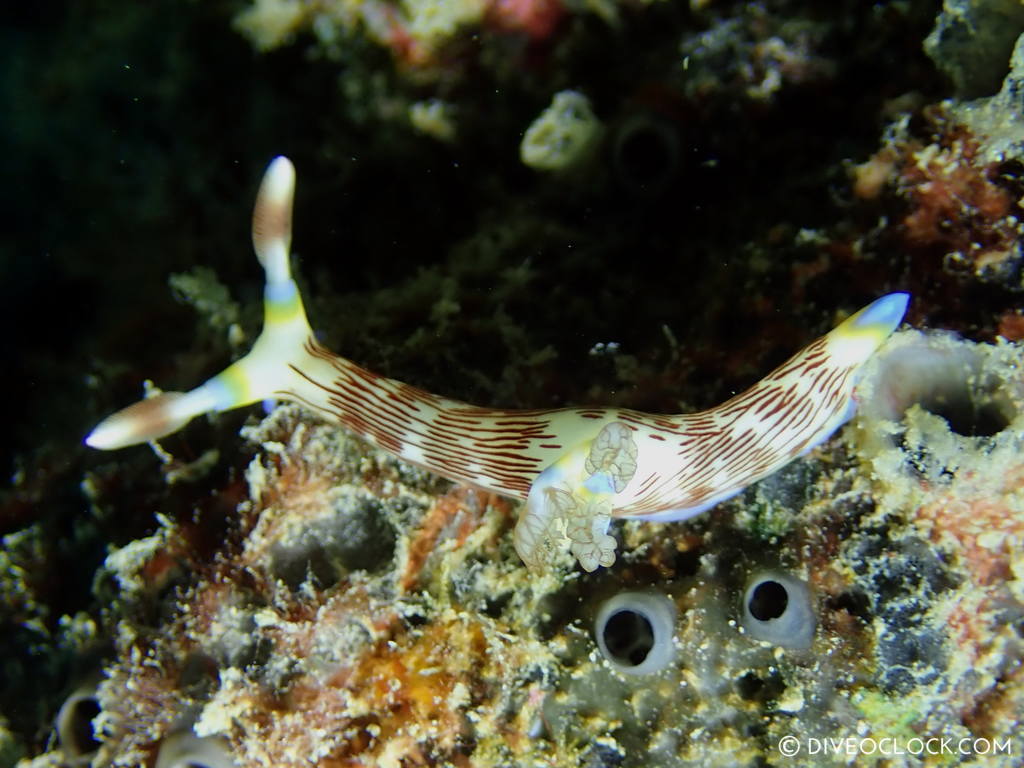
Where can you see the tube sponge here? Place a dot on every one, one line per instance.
(563, 135)
(186, 750)
(777, 609)
(972, 386)
(634, 631)
(74, 726)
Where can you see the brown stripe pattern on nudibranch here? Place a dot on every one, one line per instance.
(576, 468)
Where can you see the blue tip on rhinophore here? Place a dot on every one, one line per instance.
(887, 311)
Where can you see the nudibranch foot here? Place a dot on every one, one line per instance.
(576, 468)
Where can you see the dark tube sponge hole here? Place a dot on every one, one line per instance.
(634, 631)
(768, 600)
(629, 637)
(80, 722)
(966, 415)
(645, 154)
(74, 725)
(777, 608)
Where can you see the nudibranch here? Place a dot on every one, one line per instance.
(576, 468)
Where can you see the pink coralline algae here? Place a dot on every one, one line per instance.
(537, 18)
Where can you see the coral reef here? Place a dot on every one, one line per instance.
(420, 33)
(358, 612)
(949, 487)
(972, 40)
(300, 598)
(351, 618)
(956, 207)
(996, 122)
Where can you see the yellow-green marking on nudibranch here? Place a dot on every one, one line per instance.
(576, 468)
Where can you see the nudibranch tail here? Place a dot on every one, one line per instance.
(576, 468)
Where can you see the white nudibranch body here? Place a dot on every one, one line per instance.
(576, 468)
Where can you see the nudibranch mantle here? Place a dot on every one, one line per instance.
(576, 468)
